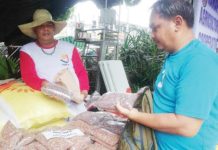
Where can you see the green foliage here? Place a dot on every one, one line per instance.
(66, 15)
(141, 58)
(79, 44)
(9, 67)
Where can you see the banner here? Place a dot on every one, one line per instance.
(206, 22)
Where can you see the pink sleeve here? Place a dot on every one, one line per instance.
(80, 70)
(28, 72)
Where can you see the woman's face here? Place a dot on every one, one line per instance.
(45, 32)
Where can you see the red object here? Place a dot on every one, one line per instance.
(129, 90)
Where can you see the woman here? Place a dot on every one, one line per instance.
(42, 60)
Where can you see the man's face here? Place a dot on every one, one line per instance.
(162, 32)
(45, 31)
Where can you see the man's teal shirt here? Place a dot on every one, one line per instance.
(188, 85)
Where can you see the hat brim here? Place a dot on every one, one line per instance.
(27, 28)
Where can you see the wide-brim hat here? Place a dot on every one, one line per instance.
(40, 17)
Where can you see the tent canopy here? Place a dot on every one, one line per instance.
(15, 12)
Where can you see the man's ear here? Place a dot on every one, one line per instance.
(178, 21)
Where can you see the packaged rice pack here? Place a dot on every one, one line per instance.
(109, 100)
(65, 87)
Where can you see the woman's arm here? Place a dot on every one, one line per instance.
(80, 72)
(28, 72)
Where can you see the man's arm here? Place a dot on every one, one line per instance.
(170, 123)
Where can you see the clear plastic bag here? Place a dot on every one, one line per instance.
(58, 92)
(109, 100)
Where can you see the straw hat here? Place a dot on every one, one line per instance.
(40, 17)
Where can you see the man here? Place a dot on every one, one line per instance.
(186, 90)
(41, 61)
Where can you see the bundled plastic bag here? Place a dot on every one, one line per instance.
(57, 92)
(108, 101)
(66, 87)
(106, 120)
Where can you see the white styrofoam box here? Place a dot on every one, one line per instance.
(114, 76)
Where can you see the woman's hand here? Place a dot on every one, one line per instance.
(85, 93)
(44, 83)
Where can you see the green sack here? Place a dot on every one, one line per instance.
(136, 136)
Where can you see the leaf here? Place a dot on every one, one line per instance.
(141, 58)
(9, 67)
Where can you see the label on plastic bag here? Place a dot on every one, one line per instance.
(62, 133)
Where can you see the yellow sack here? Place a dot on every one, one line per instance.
(30, 108)
(59, 123)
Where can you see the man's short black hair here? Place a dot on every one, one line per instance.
(171, 8)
